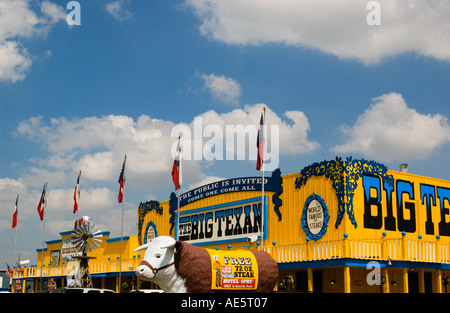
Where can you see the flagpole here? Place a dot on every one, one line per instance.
(121, 241)
(42, 252)
(121, 227)
(178, 184)
(15, 228)
(178, 215)
(262, 184)
(14, 257)
(43, 237)
(78, 198)
(262, 209)
(15, 239)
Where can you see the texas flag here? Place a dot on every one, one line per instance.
(9, 271)
(42, 202)
(260, 142)
(176, 169)
(122, 181)
(76, 194)
(16, 212)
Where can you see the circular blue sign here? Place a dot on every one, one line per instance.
(315, 217)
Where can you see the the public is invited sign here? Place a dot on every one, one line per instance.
(233, 270)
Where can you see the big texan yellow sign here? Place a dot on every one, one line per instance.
(233, 270)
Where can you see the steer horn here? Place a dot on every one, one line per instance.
(143, 247)
(168, 246)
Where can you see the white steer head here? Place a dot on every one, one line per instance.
(158, 260)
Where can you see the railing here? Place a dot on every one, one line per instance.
(399, 249)
(366, 249)
(69, 268)
(383, 249)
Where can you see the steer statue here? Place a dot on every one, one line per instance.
(177, 266)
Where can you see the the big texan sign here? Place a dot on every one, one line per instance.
(226, 221)
(375, 198)
(223, 222)
(408, 205)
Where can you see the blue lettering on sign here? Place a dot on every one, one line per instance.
(222, 187)
(227, 222)
(271, 184)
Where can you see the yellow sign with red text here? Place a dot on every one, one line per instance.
(233, 270)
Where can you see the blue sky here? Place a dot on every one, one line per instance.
(80, 97)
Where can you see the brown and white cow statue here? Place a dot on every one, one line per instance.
(176, 266)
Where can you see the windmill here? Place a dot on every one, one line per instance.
(86, 236)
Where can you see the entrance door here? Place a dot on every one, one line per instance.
(301, 281)
(428, 277)
(413, 282)
(317, 281)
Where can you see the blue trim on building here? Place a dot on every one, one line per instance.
(362, 263)
(117, 239)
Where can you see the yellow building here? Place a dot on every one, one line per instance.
(335, 226)
(57, 265)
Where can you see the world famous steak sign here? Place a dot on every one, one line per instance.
(226, 221)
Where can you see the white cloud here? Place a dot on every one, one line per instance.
(97, 202)
(205, 181)
(8, 182)
(9, 188)
(117, 10)
(15, 61)
(18, 20)
(336, 27)
(232, 135)
(222, 88)
(389, 130)
(53, 13)
(96, 145)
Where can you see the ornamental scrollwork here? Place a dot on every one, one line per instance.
(143, 209)
(354, 170)
(344, 176)
(333, 170)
